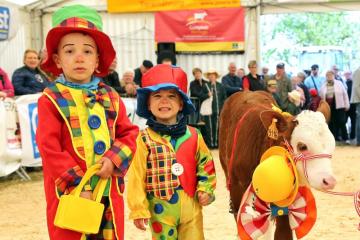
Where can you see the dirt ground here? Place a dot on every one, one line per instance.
(22, 207)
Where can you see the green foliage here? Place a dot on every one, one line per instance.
(307, 29)
(315, 29)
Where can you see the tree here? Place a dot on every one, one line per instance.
(308, 29)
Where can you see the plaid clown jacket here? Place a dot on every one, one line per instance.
(150, 171)
(66, 140)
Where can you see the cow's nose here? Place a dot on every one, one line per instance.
(328, 183)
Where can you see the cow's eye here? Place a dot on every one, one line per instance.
(301, 147)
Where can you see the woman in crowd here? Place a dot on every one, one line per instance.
(253, 81)
(198, 91)
(336, 96)
(29, 79)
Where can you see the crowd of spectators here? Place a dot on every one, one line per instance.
(291, 93)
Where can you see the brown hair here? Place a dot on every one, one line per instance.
(252, 63)
(196, 70)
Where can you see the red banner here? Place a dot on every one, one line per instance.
(219, 29)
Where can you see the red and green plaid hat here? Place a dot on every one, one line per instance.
(78, 18)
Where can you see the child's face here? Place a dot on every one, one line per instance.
(77, 56)
(165, 105)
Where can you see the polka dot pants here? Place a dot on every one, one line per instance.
(179, 218)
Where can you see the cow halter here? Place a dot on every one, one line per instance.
(304, 158)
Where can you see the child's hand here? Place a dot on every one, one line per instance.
(141, 223)
(204, 198)
(86, 194)
(107, 168)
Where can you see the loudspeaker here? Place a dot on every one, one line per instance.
(166, 50)
(166, 46)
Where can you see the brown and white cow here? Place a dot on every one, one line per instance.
(307, 133)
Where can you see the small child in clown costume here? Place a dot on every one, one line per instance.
(82, 121)
(172, 175)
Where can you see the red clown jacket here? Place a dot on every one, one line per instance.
(64, 163)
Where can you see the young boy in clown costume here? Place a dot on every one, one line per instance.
(172, 174)
(83, 121)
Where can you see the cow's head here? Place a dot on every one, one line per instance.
(311, 136)
(308, 133)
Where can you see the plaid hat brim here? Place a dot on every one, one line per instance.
(143, 95)
(105, 48)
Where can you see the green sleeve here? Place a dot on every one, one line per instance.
(206, 175)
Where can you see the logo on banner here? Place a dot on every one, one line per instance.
(4, 23)
(197, 23)
(33, 116)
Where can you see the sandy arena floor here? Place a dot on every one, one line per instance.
(22, 207)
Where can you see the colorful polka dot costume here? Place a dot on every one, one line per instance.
(176, 214)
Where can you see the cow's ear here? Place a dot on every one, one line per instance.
(269, 117)
(324, 108)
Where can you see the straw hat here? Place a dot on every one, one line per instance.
(210, 71)
(271, 83)
(295, 96)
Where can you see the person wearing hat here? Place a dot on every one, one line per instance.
(145, 66)
(82, 121)
(218, 94)
(294, 102)
(271, 87)
(284, 84)
(172, 174)
(314, 80)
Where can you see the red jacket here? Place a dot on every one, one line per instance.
(63, 167)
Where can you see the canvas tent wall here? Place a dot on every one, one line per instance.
(133, 33)
(133, 37)
(12, 48)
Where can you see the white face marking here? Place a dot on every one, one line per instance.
(312, 136)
